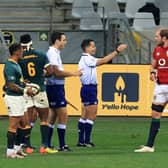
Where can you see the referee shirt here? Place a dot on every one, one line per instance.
(88, 65)
(54, 58)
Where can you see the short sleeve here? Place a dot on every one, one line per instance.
(9, 75)
(53, 58)
(91, 61)
(155, 52)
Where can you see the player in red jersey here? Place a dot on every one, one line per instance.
(159, 73)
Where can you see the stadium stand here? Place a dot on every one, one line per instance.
(68, 1)
(80, 8)
(163, 5)
(91, 21)
(4, 53)
(143, 21)
(105, 7)
(164, 19)
(122, 4)
(132, 7)
(29, 3)
(151, 8)
(36, 15)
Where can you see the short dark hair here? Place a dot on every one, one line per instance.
(56, 36)
(14, 47)
(85, 43)
(164, 33)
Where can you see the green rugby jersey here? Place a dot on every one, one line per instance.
(32, 64)
(13, 73)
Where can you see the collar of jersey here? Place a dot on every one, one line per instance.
(11, 60)
(58, 51)
(86, 54)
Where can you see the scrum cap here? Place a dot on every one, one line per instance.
(26, 41)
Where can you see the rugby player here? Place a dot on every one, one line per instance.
(14, 100)
(33, 64)
(159, 74)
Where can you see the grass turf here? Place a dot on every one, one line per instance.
(115, 139)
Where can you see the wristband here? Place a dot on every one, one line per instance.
(117, 51)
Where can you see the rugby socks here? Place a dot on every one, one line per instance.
(10, 139)
(44, 135)
(19, 136)
(155, 125)
(61, 128)
(50, 133)
(27, 133)
(81, 130)
(88, 130)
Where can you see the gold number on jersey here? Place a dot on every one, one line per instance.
(31, 69)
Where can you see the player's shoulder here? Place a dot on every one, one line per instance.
(52, 51)
(39, 53)
(10, 63)
(7, 64)
(157, 48)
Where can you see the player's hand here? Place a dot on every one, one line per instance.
(32, 89)
(77, 73)
(48, 71)
(153, 77)
(121, 47)
(30, 92)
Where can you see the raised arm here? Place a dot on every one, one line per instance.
(110, 56)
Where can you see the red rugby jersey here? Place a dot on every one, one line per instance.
(161, 56)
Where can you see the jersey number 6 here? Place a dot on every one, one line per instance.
(31, 69)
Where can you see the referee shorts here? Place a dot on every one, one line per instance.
(56, 96)
(88, 94)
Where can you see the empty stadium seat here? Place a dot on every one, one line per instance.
(32, 3)
(109, 6)
(163, 5)
(28, 15)
(81, 7)
(91, 21)
(68, 1)
(122, 1)
(164, 19)
(143, 21)
(132, 7)
(36, 15)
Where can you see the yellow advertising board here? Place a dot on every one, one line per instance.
(123, 90)
(3, 110)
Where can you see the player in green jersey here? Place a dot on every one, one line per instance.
(33, 64)
(14, 100)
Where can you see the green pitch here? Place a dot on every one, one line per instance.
(115, 139)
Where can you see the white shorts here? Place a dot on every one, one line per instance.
(15, 105)
(39, 101)
(160, 93)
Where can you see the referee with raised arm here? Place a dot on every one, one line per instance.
(88, 92)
